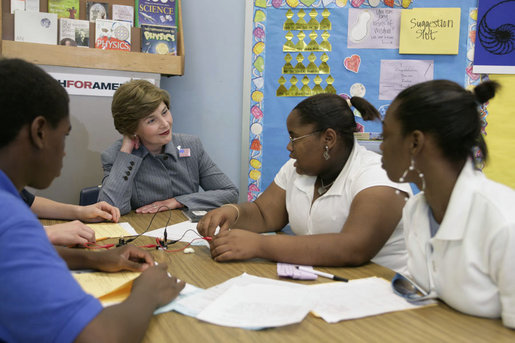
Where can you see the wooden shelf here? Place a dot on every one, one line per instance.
(58, 55)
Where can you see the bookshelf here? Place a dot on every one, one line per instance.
(58, 55)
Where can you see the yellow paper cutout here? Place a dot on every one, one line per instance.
(108, 230)
(281, 91)
(430, 31)
(99, 284)
(288, 68)
(330, 88)
(301, 45)
(325, 45)
(325, 24)
(317, 89)
(289, 24)
(294, 90)
(312, 45)
(500, 137)
(324, 67)
(301, 22)
(288, 46)
(299, 68)
(117, 296)
(305, 88)
(313, 23)
(312, 68)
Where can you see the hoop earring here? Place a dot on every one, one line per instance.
(419, 173)
(326, 153)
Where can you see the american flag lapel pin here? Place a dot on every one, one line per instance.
(184, 152)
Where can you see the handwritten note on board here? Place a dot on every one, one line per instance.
(376, 28)
(399, 74)
(430, 31)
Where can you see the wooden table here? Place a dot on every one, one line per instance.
(430, 324)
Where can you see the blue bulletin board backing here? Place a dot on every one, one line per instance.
(268, 112)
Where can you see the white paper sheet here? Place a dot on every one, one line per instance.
(258, 306)
(173, 305)
(373, 28)
(196, 303)
(336, 301)
(128, 227)
(397, 75)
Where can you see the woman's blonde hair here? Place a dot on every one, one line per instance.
(134, 100)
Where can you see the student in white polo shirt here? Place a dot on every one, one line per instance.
(460, 230)
(338, 201)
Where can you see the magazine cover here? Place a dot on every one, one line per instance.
(64, 8)
(112, 35)
(96, 10)
(158, 40)
(149, 12)
(35, 27)
(123, 13)
(73, 32)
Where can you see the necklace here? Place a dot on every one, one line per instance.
(323, 188)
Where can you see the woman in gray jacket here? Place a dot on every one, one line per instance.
(151, 170)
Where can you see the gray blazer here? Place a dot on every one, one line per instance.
(140, 178)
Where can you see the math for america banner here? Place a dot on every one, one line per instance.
(96, 85)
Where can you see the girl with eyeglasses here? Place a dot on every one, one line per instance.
(332, 192)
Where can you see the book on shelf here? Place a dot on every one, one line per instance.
(123, 13)
(35, 27)
(17, 5)
(32, 5)
(96, 10)
(150, 12)
(158, 40)
(112, 35)
(73, 32)
(25, 5)
(64, 8)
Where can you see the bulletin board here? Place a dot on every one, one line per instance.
(356, 49)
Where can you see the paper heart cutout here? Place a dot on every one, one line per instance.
(352, 63)
(389, 3)
(277, 3)
(357, 3)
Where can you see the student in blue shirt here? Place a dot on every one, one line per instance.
(41, 301)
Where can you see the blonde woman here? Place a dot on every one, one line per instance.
(150, 169)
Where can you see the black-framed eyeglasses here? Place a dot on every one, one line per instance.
(292, 140)
(409, 290)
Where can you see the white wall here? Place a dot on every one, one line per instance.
(207, 100)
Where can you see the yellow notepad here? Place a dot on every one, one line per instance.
(109, 288)
(108, 230)
(430, 31)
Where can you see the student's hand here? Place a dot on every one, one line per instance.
(98, 212)
(224, 217)
(70, 233)
(160, 206)
(129, 143)
(125, 258)
(235, 245)
(156, 282)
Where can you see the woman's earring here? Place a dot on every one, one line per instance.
(326, 153)
(419, 173)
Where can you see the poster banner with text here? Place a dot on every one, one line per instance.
(96, 85)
